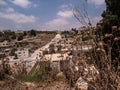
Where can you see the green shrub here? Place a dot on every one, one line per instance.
(43, 73)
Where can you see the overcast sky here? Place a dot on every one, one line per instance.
(45, 14)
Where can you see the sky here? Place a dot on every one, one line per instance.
(47, 14)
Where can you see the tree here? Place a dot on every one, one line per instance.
(20, 38)
(111, 15)
(32, 33)
(12, 52)
(51, 48)
(110, 27)
(45, 52)
(13, 36)
(59, 47)
(24, 33)
(109, 33)
(75, 31)
(7, 35)
(1, 34)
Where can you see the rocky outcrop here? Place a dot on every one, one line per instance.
(89, 74)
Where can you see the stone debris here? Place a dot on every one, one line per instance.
(30, 84)
(90, 73)
(81, 84)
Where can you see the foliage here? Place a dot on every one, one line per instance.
(109, 27)
(74, 30)
(59, 47)
(12, 53)
(24, 33)
(7, 35)
(46, 32)
(32, 32)
(45, 52)
(43, 73)
(51, 48)
(20, 38)
(105, 54)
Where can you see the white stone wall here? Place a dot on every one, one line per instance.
(23, 53)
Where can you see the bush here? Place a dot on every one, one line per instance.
(32, 33)
(51, 48)
(43, 73)
(20, 38)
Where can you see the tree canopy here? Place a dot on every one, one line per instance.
(111, 16)
(110, 27)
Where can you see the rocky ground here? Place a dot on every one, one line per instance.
(36, 42)
(15, 85)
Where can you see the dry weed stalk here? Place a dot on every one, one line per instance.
(109, 74)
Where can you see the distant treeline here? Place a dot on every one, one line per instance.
(19, 35)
